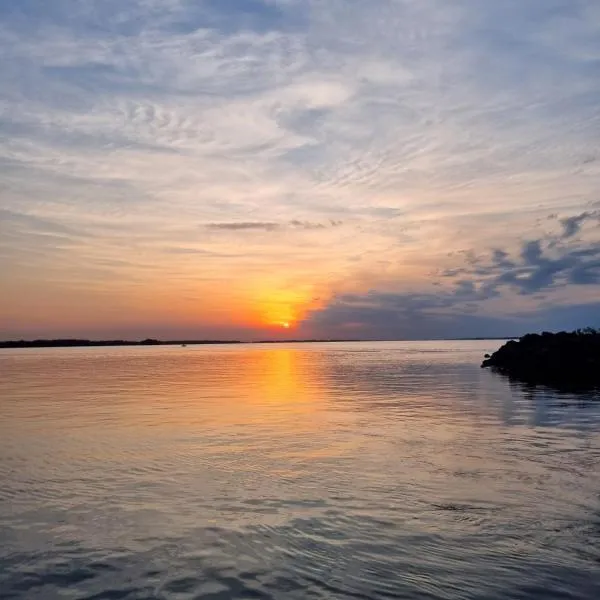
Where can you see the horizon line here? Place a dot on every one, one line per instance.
(81, 342)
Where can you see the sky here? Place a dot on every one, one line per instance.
(250, 169)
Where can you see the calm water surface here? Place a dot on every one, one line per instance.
(374, 470)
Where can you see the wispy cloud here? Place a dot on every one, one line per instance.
(272, 226)
(245, 226)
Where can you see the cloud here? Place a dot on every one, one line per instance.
(409, 316)
(458, 313)
(545, 263)
(244, 226)
(308, 225)
(462, 300)
(572, 225)
(12, 220)
(272, 226)
(402, 316)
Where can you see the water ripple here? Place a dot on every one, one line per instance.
(367, 471)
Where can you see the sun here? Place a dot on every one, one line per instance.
(281, 324)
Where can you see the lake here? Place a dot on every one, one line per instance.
(275, 471)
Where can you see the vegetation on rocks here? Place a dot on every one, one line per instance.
(567, 359)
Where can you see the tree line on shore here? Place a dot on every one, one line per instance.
(565, 358)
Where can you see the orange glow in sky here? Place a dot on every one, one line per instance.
(282, 308)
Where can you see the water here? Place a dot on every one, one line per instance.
(375, 470)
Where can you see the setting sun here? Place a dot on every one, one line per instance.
(285, 325)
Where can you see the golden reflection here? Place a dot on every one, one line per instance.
(282, 377)
(225, 389)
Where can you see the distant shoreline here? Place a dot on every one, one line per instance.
(80, 343)
(76, 343)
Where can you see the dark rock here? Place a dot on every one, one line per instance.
(559, 359)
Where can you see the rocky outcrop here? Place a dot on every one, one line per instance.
(561, 359)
